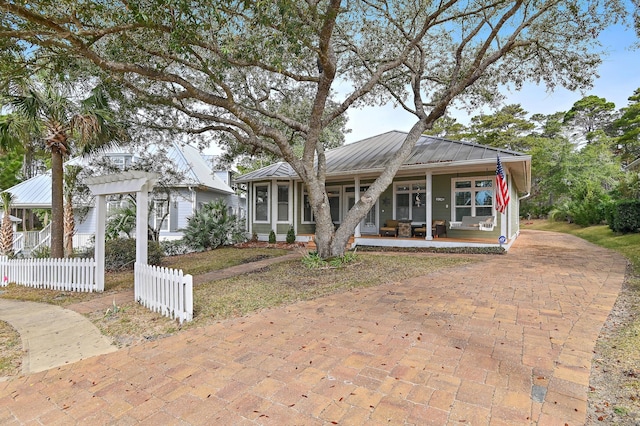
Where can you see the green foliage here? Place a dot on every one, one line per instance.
(212, 226)
(272, 237)
(590, 114)
(42, 252)
(503, 129)
(312, 260)
(113, 310)
(175, 247)
(10, 167)
(628, 128)
(121, 222)
(120, 254)
(624, 216)
(291, 235)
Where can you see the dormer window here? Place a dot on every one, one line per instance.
(120, 161)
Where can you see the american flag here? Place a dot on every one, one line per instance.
(502, 190)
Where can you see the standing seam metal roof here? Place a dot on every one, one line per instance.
(374, 152)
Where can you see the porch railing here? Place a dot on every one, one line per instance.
(18, 243)
(44, 238)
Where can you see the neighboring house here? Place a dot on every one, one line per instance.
(442, 180)
(198, 186)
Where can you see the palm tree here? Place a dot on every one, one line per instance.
(71, 183)
(65, 125)
(6, 229)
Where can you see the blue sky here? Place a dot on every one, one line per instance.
(619, 77)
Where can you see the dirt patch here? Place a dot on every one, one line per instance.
(264, 244)
(614, 386)
(11, 353)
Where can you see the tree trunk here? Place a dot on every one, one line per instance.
(57, 205)
(333, 243)
(69, 228)
(6, 236)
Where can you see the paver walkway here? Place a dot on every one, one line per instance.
(505, 341)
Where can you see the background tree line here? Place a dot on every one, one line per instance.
(579, 157)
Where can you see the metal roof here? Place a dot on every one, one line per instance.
(36, 192)
(372, 154)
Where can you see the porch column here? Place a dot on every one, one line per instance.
(294, 206)
(356, 191)
(250, 201)
(142, 223)
(101, 222)
(290, 204)
(429, 206)
(274, 207)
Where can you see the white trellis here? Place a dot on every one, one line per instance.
(121, 183)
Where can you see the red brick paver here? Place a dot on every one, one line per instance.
(504, 341)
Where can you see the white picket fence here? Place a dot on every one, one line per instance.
(54, 274)
(164, 290)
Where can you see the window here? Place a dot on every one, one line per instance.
(473, 197)
(283, 203)
(334, 206)
(161, 215)
(120, 161)
(261, 203)
(307, 212)
(411, 200)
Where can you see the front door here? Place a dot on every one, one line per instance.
(368, 225)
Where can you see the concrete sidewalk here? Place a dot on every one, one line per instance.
(504, 341)
(53, 336)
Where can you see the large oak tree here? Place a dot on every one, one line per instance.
(226, 67)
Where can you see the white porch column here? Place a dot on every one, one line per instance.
(356, 191)
(101, 223)
(250, 202)
(294, 205)
(274, 206)
(142, 224)
(290, 204)
(429, 206)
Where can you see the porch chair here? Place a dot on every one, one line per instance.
(390, 228)
(438, 229)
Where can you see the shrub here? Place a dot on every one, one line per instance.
(120, 254)
(291, 236)
(212, 226)
(624, 216)
(42, 252)
(272, 237)
(312, 260)
(175, 247)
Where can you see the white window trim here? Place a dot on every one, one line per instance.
(277, 201)
(255, 199)
(339, 189)
(156, 217)
(411, 193)
(473, 188)
(302, 221)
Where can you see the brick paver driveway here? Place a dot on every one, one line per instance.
(505, 341)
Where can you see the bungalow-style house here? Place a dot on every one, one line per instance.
(198, 186)
(443, 195)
